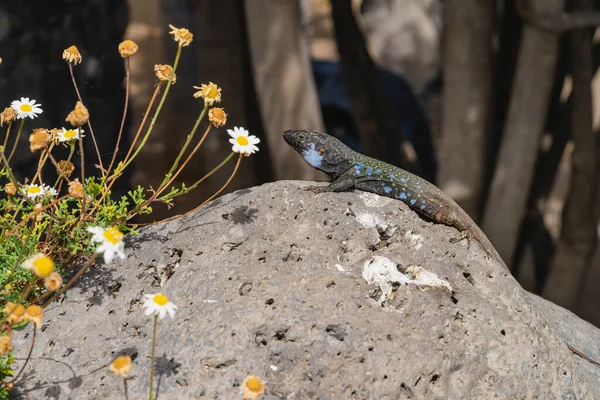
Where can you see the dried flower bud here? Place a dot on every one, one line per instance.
(5, 345)
(72, 55)
(34, 314)
(66, 167)
(217, 116)
(79, 116)
(39, 139)
(10, 188)
(163, 72)
(40, 215)
(76, 189)
(8, 115)
(13, 312)
(211, 93)
(127, 48)
(53, 282)
(182, 36)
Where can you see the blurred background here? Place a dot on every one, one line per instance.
(496, 101)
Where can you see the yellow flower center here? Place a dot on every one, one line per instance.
(113, 235)
(43, 266)
(70, 134)
(254, 385)
(212, 92)
(242, 140)
(25, 108)
(160, 299)
(34, 190)
(121, 362)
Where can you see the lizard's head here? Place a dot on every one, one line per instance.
(319, 150)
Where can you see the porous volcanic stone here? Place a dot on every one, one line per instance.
(269, 281)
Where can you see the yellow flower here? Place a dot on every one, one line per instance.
(72, 55)
(217, 116)
(34, 314)
(39, 139)
(79, 116)
(14, 312)
(252, 387)
(76, 189)
(211, 93)
(53, 281)
(5, 345)
(26, 108)
(127, 48)
(182, 36)
(66, 167)
(40, 264)
(8, 115)
(163, 72)
(10, 188)
(121, 366)
(159, 304)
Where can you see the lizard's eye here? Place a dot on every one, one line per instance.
(322, 151)
(301, 137)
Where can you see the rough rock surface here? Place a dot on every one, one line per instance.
(270, 281)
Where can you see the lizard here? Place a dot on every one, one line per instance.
(349, 169)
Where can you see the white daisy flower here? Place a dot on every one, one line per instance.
(159, 304)
(66, 135)
(50, 191)
(35, 190)
(40, 264)
(111, 242)
(26, 108)
(242, 142)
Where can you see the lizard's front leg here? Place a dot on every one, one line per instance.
(340, 184)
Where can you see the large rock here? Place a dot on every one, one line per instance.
(271, 281)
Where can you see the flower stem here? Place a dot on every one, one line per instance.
(7, 133)
(137, 134)
(41, 163)
(17, 139)
(237, 165)
(157, 111)
(114, 156)
(125, 387)
(89, 124)
(28, 354)
(8, 170)
(153, 355)
(211, 197)
(74, 279)
(189, 157)
(185, 146)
